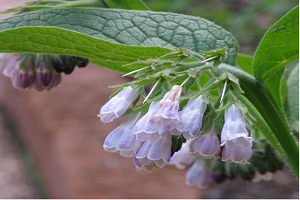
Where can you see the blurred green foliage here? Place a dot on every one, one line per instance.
(247, 20)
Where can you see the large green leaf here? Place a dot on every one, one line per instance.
(52, 40)
(278, 47)
(293, 98)
(140, 28)
(245, 62)
(127, 4)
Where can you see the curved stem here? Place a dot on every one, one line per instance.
(264, 103)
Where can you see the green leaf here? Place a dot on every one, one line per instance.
(278, 47)
(61, 41)
(245, 62)
(127, 4)
(293, 98)
(134, 28)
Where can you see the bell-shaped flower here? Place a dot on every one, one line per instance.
(207, 144)
(10, 64)
(158, 154)
(235, 151)
(118, 105)
(191, 118)
(182, 158)
(198, 175)
(122, 139)
(161, 117)
(4, 60)
(234, 137)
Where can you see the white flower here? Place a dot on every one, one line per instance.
(234, 137)
(158, 154)
(118, 105)
(182, 158)
(207, 144)
(161, 117)
(198, 175)
(191, 118)
(122, 139)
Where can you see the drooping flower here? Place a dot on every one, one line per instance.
(234, 137)
(157, 154)
(198, 175)
(118, 105)
(182, 158)
(122, 139)
(191, 118)
(207, 144)
(161, 117)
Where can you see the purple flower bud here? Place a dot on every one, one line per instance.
(182, 158)
(198, 175)
(207, 145)
(118, 105)
(122, 139)
(24, 76)
(44, 75)
(191, 118)
(55, 80)
(158, 154)
(161, 117)
(235, 138)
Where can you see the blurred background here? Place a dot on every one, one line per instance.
(51, 142)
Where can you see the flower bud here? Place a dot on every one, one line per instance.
(191, 118)
(207, 144)
(182, 158)
(198, 175)
(43, 74)
(118, 105)
(234, 137)
(24, 76)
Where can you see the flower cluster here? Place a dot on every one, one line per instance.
(148, 138)
(41, 72)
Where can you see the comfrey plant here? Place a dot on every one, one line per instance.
(210, 110)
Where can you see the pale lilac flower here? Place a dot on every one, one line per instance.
(234, 137)
(157, 154)
(182, 158)
(122, 139)
(118, 105)
(161, 117)
(191, 118)
(4, 59)
(198, 175)
(207, 144)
